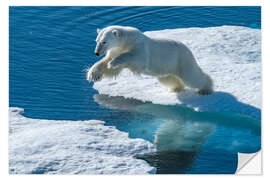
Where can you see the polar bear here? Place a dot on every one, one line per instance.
(170, 61)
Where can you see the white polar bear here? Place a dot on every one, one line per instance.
(168, 60)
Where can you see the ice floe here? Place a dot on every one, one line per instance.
(39, 146)
(231, 55)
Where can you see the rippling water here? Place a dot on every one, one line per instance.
(50, 48)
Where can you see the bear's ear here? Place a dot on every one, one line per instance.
(116, 33)
(98, 30)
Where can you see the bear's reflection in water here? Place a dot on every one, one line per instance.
(179, 134)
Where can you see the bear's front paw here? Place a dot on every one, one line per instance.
(94, 74)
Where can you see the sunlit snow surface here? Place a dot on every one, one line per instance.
(231, 55)
(72, 147)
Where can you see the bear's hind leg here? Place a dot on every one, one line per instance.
(174, 83)
(208, 87)
(198, 80)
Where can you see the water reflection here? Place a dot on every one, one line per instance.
(178, 132)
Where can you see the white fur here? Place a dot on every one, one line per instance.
(168, 60)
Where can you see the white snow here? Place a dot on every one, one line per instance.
(72, 147)
(231, 55)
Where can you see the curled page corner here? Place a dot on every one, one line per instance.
(249, 163)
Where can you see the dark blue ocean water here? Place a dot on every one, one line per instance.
(50, 48)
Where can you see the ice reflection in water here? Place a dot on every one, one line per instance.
(178, 132)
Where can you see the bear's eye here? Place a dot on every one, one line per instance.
(104, 42)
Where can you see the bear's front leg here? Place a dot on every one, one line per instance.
(95, 73)
(121, 60)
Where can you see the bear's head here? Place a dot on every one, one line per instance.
(108, 39)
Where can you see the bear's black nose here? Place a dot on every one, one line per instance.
(97, 54)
